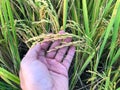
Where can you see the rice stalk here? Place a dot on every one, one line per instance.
(65, 10)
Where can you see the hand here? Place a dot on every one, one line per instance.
(42, 70)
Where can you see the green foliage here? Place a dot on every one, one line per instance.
(93, 24)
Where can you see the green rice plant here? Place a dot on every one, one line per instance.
(9, 33)
(65, 10)
(85, 15)
(93, 29)
(4, 86)
(109, 27)
(114, 36)
(8, 46)
(8, 77)
(106, 34)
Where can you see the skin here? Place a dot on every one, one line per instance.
(42, 70)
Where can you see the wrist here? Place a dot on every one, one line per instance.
(37, 86)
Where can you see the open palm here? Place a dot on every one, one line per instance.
(42, 70)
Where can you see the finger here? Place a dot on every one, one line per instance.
(52, 53)
(61, 52)
(68, 59)
(33, 52)
(55, 44)
(45, 45)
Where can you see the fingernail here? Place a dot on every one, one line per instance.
(62, 31)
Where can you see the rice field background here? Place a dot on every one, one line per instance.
(94, 26)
